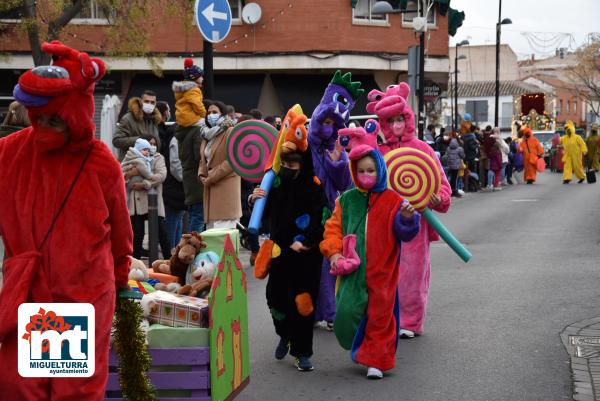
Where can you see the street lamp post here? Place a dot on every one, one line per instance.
(456, 58)
(501, 22)
(383, 7)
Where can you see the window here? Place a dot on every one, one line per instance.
(478, 109)
(407, 18)
(92, 13)
(560, 106)
(568, 106)
(574, 107)
(13, 14)
(236, 10)
(362, 13)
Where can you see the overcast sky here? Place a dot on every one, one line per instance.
(546, 23)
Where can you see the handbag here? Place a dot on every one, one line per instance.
(22, 270)
(590, 176)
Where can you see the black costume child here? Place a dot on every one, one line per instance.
(295, 206)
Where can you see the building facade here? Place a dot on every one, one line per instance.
(288, 56)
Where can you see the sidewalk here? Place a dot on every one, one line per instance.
(582, 343)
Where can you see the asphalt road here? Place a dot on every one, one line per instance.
(493, 326)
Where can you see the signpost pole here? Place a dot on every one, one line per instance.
(208, 85)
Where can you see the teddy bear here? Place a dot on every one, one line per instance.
(189, 246)
(147, 304)
(200, 274)
(137, 270)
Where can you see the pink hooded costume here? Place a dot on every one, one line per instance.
(415, 265)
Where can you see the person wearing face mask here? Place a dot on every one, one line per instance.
(137, 196)
(398, 125)
(141, 121)
(222, 188)
(295, 211)
(373, 221)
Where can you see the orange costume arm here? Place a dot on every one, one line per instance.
(334, 234)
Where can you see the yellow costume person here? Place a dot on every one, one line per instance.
(593, 144)
(575, 148)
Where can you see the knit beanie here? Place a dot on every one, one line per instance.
(141, 144)
(191, 72)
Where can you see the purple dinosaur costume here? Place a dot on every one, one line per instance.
(331, 115)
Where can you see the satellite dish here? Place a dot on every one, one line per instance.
(251, 13)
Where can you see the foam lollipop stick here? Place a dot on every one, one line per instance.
(248, 148)
(415, 175)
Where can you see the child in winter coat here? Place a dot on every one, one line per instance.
(455, 155)
(362, 242)
(291, 256)
(189, 108)
(140, 158)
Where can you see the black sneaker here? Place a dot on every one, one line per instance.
(566, 181)
(304, 364)
(282, 349)
(581, 181)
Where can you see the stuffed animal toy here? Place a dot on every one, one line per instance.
(138, 270)
(148, 305)
(190, 245)
(200, 275)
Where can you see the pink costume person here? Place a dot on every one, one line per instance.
(397, 123)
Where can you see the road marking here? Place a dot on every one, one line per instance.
(524, 200)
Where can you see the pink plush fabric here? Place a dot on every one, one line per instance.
(413, 285)
(350, 261)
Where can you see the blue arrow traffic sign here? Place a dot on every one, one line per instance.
(213, 18)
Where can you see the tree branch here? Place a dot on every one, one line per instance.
(55, 26)
(33, 33)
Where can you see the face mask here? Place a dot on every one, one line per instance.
(278, 127)
(152, 150)
(148, 108)
(212, 119)
(398, 128)
(288, 174)
(446, 138)
(366, 181)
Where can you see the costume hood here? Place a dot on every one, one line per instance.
(390, 104)
(64, 88)
(362, 142)
(337, 103)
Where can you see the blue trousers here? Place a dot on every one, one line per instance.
(196, 217)
(174, 223)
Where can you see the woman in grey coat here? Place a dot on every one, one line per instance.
(455, 155)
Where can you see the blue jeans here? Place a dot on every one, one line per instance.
(196, 217)
(174, 222)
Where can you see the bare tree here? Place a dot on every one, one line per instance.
(586, 74)
(47, 20)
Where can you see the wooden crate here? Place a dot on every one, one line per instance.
(196, 379)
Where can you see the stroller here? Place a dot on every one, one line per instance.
(472, 183)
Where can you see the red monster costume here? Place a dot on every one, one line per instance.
(85, 256)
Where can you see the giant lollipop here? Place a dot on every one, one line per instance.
(248, 148)
(415, 176)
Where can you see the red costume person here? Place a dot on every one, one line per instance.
(85, 256)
